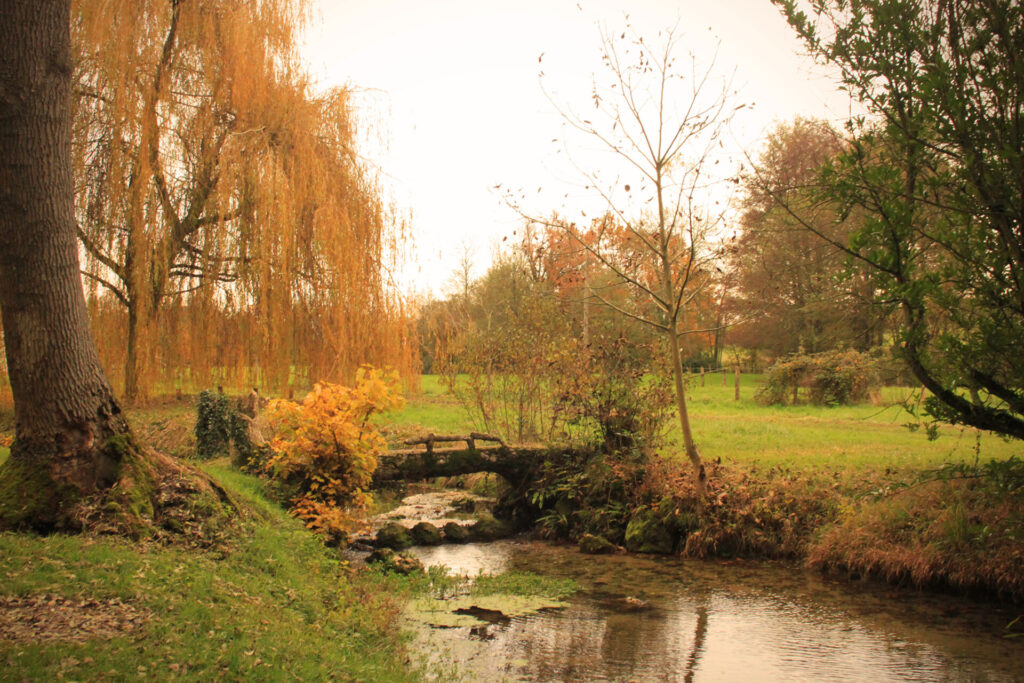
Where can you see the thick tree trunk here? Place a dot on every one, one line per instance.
(65, 410)
(72, 445)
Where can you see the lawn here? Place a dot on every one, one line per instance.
(868, 435)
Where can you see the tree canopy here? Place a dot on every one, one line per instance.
(227, 220)
(935, 179)
(791, 287)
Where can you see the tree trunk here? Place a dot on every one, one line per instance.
(699, 474)
(138, 352)
(72, 443)
(131, 357)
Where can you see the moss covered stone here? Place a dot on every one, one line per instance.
(647, 533)
(426, 533)
(596, 545)
(394, 536)
(456, 533)
(490, 529)
(394, 563)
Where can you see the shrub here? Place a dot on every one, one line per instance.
(326, 448)
(213, 425)
(830, 378)
(611, 391)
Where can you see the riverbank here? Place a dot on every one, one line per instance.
(264, 600)
(850, 490)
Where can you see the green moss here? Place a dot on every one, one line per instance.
(490, 529)
(646, 533)
(456, 533)
(138, 488)
(595, 545)
(426, 533)
(29, 497)
(394, 536)
(120, 446)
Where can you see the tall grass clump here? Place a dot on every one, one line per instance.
(952, 529)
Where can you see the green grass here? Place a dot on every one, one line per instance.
(857, 437)
(433, 409)
(863, 436)
(4, 452)
(276, 605)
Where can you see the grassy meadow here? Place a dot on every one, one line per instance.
(871, 436)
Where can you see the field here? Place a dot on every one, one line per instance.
(866, 436)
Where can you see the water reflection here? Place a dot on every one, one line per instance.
(717, 622)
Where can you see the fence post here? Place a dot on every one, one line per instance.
(737, 382)
(725, 376)
(702, 375)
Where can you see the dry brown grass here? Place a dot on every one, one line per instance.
(960, 535)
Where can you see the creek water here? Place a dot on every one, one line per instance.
(639, 618)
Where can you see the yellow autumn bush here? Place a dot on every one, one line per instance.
(325, 448)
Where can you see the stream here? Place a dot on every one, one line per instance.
(646, 618)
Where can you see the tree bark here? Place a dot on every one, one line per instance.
(72, 440)
(699, 473)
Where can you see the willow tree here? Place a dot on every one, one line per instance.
(214, 188)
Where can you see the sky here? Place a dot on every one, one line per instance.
(452, 102)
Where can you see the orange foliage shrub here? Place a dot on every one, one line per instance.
(326, 448)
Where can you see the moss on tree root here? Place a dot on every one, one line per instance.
(29, 498)
(119, 488)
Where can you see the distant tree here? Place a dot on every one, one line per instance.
(935, 180)
(504, 339)
(665, 127)
(791, 285)
(72, 441)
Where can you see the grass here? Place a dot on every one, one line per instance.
(745, 433)
(857, 437)
(274, 604)
(432, 410)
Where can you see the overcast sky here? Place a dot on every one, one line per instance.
(453, 87)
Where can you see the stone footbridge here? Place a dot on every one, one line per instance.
(441, 456)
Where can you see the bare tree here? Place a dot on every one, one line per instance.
(664, 127)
